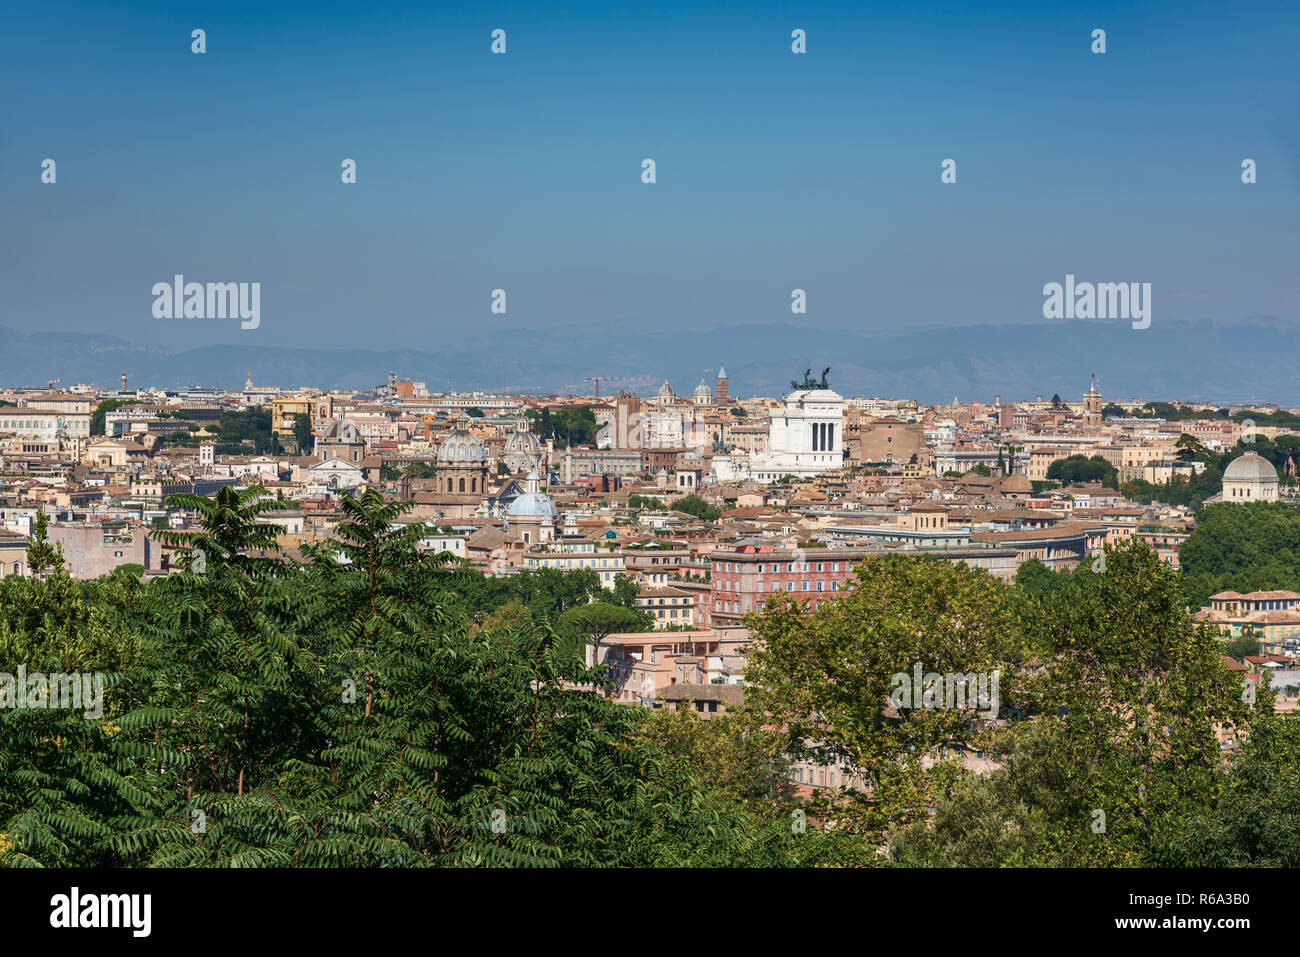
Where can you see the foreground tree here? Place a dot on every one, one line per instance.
(1133, 691)
(42, 556)
(825, 679)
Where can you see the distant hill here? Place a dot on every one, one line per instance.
(1250, 360)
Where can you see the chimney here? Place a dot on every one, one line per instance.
(123, 381)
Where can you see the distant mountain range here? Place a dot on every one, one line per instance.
(1249, 360)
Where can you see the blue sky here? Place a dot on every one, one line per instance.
(522, 171)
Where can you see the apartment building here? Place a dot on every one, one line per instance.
(1273, 616)
(1058, 547)
(668, 605)
(570, 555)
(93, 550)
(748, 574)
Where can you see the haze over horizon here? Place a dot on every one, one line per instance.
(1227, 363)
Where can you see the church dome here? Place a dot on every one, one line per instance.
(702, 391)
(1251, 467)
(523, 442)
(666, 391)
(461, 448)
(532, 505)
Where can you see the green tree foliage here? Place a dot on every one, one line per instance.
(595, 622)
(341, 712)
(567, 426)
(746, 762)
(1247, 643)
(694, 505)
(42, 556)
(237, 433)
(1281, 418)
(1132, 697)
(98, 425)
(1040, 582)
(993, 820)
(1115, 753)
(625, 590)
(1171, 413)
(1255, 819)
(1241, 547)
(368, 706)
(645, 501)
(302, 433)
(1081, 469)
(390, 471)
(1190, 492)
(825, 680)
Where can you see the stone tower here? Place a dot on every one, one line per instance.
(1092, 406)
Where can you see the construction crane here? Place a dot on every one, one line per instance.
(618, 378)
(51, 384)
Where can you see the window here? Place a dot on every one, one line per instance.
(804, 586)
(821, 586)
(789, 586)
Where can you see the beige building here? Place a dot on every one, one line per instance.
(114, 453)
(286, 408)
(1271, 615)
(93, 550)
(69, 403)
(886, 439)
(563, 555)
(668, 605)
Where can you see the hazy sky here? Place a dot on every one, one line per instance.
(523, 171)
